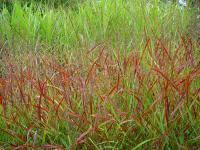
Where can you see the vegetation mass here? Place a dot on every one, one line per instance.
(98, 74)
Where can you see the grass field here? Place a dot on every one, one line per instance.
(98, 74)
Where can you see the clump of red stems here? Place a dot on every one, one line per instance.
(104, 91)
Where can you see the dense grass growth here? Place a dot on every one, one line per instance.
(105, 99)
(98, 74)
(119, 23)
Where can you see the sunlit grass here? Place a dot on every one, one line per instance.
(118, 23)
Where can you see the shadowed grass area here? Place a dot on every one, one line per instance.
(105, 99)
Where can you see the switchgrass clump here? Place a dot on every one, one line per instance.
(104, 99)
(115, 23)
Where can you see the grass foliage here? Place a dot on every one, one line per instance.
(119, 23)
(105, 99)
(98, 74)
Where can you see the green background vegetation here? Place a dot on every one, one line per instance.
(119, 23)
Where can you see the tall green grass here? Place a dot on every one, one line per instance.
(119, 23)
